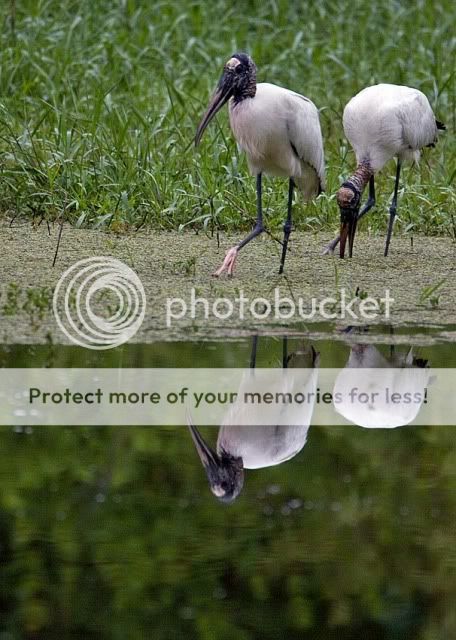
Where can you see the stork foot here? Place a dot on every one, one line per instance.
(329, 249)
(228, 263)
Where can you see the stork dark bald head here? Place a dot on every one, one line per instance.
(224, 471)
(348, 198)
(238, 81)
(241, 72)
(243, 59)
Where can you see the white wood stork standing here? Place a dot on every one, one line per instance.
(279, 130)
(381, 122)
(242, 447)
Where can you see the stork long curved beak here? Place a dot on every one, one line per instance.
(221, 95)
(225, 476)
(348, 222)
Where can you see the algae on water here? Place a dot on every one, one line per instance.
(420, 278)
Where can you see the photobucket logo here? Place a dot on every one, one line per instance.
(99, 303)
(340, 307)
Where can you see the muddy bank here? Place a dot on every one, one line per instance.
(171, 264)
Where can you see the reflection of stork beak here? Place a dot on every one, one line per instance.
(348, 221)
(225, 473)
(221, 96)
(207, 456)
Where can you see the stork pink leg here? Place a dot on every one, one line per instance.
(228, 263)
(231, 254)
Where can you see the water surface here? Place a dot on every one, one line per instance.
(113, 532)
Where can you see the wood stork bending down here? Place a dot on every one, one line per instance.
(254, 447)
(381, 122)
(279, 130)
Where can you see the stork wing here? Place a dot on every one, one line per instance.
(419, 126)
(303, 125)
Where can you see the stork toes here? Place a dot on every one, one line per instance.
(228, 263)
(330, 248)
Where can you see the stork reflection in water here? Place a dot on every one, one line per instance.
(371, 372)
(254, 447)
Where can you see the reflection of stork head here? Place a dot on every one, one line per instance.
(224, 472)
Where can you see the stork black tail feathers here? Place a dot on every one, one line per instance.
(440, 127)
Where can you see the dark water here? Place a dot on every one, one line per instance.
(113, 532)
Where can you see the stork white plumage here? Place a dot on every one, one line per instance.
(242, 447)
(278, 129)
(382, 122)
(377, 379)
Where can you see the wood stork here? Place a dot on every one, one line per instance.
(381, 122)
(370, 373)
(278, 129)
(242, 447)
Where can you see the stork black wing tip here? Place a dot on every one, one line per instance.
(440, 125)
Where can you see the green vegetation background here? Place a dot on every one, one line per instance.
(99, 100)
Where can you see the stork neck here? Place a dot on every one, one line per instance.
(247, 91)
(361, 176)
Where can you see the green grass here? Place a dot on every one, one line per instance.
(99, 101)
